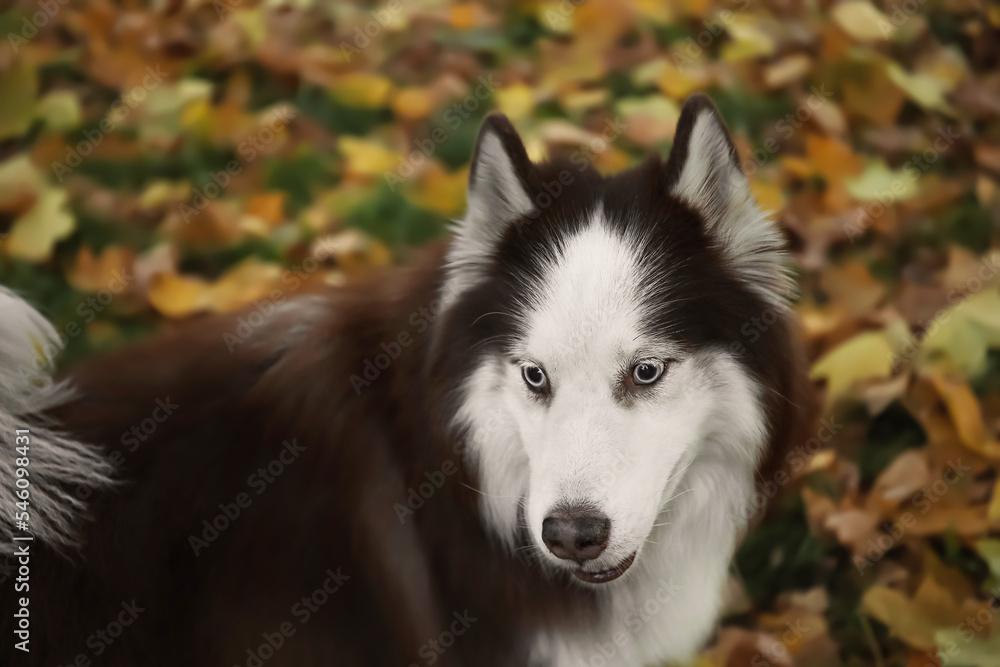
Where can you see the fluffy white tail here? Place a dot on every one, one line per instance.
(60, 470)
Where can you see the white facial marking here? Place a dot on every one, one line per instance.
(592, 441)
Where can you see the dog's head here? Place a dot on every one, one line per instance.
(601, 335)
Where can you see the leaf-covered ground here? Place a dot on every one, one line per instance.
(169, 158)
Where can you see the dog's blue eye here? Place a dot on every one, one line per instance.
(535, 378)
(647, 372)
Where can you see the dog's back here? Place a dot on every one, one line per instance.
(259, 486)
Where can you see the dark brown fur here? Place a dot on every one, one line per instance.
(331, 508)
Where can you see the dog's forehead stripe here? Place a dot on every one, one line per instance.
(589, 299)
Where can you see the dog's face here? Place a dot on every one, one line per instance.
(596, 326)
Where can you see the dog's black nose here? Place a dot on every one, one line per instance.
(579, 535)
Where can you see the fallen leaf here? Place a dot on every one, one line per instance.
(866, 356)
(18, 88)
(862, 21)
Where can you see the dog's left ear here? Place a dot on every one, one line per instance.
(499, 181)
(704, 170)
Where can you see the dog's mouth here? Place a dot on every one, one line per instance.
(606, 575)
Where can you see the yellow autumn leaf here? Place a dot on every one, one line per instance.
(108, 270)
(248, 281)
(768, 195)
(439, 191)
(60, 110)
(367, 158)
(679, 82)
(49, 221)
(648, 120)
(515, 101)
(914, 620)
(862, 21)
(367, 91)
(978, 652)
(463, 16)
(162, 192)
(353, 250)
(655, 10)
(413, 103)
(564, 67)
(18, 90)
(964, 333)
(787, 70)
(267, 206)
(177, 296)
(253, 23)
(583, 100)
(926, 90)
(749, 40)
(866, 356)
(877, 183)
(556, 16)
(966, 415)
(993, 512)
(989, 550)
(20, 180)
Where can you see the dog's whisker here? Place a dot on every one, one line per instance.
(486, 314)
(520, 499)
(679, 495)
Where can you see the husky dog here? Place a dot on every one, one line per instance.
(538, 446)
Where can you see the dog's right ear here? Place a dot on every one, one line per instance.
(498, 194)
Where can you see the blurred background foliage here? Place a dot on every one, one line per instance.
(162, 160)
